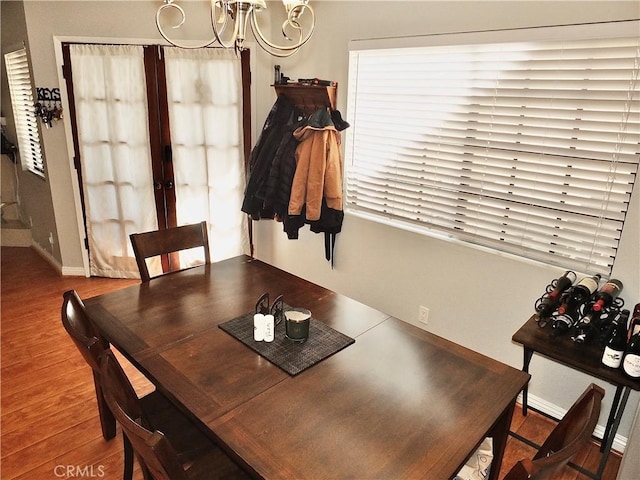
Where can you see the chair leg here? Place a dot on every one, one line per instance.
(107, 420)
(127, 471)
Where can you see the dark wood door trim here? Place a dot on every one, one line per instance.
(245, 60)
(68, 77)
(160, 139)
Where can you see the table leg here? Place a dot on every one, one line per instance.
(528, 354)
(617, 409)
(500, 433)
(612, 415)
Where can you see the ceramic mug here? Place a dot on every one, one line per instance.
(296, 323)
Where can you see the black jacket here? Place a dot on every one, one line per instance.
(272, 162)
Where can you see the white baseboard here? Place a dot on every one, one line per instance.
(47, 256)
(619, 442)
(73, 271)
(65, 271)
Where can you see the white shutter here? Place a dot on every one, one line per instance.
(20, 89)
(527, 147)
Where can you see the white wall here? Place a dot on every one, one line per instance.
(475, 298)
(35, 203)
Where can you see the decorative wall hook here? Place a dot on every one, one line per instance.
(49, 105)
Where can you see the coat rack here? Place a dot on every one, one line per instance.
(309, 97)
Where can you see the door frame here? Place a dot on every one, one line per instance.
(78, 201)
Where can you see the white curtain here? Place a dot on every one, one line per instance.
(111, 110)
(204, 90)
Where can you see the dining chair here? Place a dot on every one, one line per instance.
(91, 346)
(163, 455)
(154, 407)
(568, 437)
(168, 241)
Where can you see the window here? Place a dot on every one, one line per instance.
(21, 91)
(527, 145)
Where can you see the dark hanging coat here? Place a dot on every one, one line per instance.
(266, 190)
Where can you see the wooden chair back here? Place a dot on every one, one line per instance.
(153, 449)
(569, 436)
(120, 387)
(169, 241)
(92, 346)
(81, 330)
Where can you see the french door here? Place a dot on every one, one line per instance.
(160, 139)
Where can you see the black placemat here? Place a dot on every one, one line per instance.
(291, 357)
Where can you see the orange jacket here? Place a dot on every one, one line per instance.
(318, 167)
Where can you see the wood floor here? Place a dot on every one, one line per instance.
(49, 422)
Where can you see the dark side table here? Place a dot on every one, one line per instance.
(585, 358)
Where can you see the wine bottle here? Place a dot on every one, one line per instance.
(607, 294)
(569, 310)
(584, 329)
(617, 341)
(565, 318)
(548, 303)
(582, 291)
(631, 359)
(634, 324)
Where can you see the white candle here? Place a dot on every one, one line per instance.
(268, 328)
(258, 327)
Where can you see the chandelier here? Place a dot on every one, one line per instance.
(229, 19)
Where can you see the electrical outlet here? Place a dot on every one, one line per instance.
(423, 315)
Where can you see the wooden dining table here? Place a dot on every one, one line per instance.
(398, 402)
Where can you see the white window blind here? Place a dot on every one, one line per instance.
(22, 102)
(528, 147)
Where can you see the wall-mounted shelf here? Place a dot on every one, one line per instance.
(309, 98)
